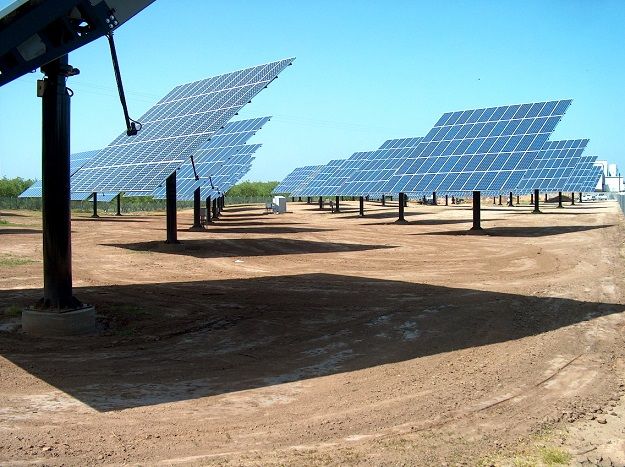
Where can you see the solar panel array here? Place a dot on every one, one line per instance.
(553, 166)
(173, 130)
(478, 150)
(225, 143)
(76, 161)
(379, 166)
(580, 174)
(231, 172)
(297, 179)
(317, 185)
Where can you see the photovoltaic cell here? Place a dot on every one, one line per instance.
(316, 186)
(553, 166)
(76, 161)
(377, 167)
(173, 130)
(224, 144)
(580, 174)
(477, 150)
(296, 179)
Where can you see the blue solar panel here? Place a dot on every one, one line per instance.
(76, 161)
(224, 144)
(477, 150)
(316, 186)
(173, 130)
(553, 166)
(377, 167)
(580, 175)
(297, 179)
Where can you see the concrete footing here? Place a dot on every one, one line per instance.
(56, 324)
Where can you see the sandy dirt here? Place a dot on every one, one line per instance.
(313, 338)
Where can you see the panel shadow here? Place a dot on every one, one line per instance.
(236, 247)
(523, 231)
(12, 231)
(179, 341)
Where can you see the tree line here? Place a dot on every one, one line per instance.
(12, 187)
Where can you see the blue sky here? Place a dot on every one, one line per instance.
(366, 71)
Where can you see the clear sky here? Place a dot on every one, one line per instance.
(366, 71)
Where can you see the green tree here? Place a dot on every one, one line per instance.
(12, 187)
(252, 189)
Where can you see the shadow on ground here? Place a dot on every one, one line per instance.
(177, 341)
(522, 231)
(16, 231)
(237, 247)
(261, 229)
(103, 218)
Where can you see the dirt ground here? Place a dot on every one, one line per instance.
(313, 338)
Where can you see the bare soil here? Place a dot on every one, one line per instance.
(313, 338)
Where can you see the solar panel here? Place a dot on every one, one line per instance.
(580, 174)
(377, 167)
(590, 180)
(76, 161)
(316, 186)
(477, 150)
(224, 144)
(173, 130)
(296, 179)
(553, 166)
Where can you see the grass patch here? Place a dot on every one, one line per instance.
(555, 456)
(13, 261)
(3, 222)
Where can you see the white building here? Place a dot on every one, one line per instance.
(611, 179)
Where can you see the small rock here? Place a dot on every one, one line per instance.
(614, 414)
(603, 421)
(46, 448)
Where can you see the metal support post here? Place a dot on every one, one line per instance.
(434, 202)
(532, 198)
(510, 200)
(536, 203)
(321, 202)
(401, 208)
(517, 199)
(573, 199)
(500, 198)
(197, 206)
(477, 221)
(383, 200)
(560, 199)
(362, 206)
(337, 207)
(119, 205)
(170, 194)
(55, 200)
(94, 199)
(446, 200)
(580, 197)
(215, 210)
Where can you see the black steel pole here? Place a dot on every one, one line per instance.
(510, 200)
(119, 205)
(494, 200)
(560, 199)
(55, 201)
(500, 198)
(446, 200)
(383, 201)
(94, 198)
(477, 221)
(362, 206)
(321, 202)
(531, 198)
(545, 197)
(536, 203)
(215, 212)
(338, 208)
(573, 199)
(401, 208)
(170, 196)
(197, 207)
(580, 197)
(308, 200)
(517, 199)
(209, 217)
(453, 200)
(434, 202)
